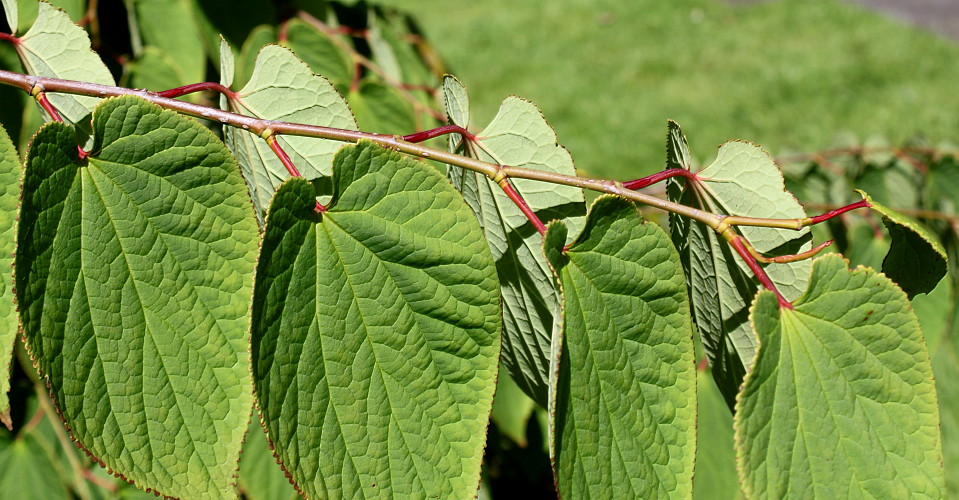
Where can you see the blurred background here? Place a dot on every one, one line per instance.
(845, 94)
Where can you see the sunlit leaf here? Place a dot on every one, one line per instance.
(134, 275)
(743, 180)
(11, 11)
(625, 407)
(376, 332)
(518, 136)
(283, 88)
(55, 47)
(841, 399)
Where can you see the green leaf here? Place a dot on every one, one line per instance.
(934, 311)
(518, 136)
(55, 47)
(381, 108)
(743, 180)
(320, 52)
(376, 332)
(134, 275)
(284, 89)
(512, 409)
(260, 37)
(227, 65)
(625, 396)
(715, 475)
(261, 478)
(9, 198)
(916, 260)
(154, 70)
(11, 12)
(945, 365)
(841, 398)
(26, 471)
(169, 26)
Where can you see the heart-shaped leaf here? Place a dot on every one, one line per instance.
(518, 136)
(625, 395)
(134, 275)
(841, 399)
(376, 332)
(743, 180)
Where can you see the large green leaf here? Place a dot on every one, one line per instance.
(841, 399)
(916, 260)
(169, 26)
(134, 275)
(743, 180)
(55, 47)
(9, 198)
(518, 136)
(283, 88)
(625, 395)
(376, 332)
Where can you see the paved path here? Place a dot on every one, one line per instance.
(941, 16)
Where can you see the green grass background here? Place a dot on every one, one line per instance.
(789, 75)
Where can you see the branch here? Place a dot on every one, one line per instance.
(500, 174)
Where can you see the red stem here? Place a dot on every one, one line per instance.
(759, 272)
(41, 98)
(288, 164)
(521, 203)
(284, 158)
(45, 104)
(436, 132)
(197, 87)
(659, 177)
(833, 213)
(10, 38)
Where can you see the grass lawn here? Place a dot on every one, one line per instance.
(789, 75)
